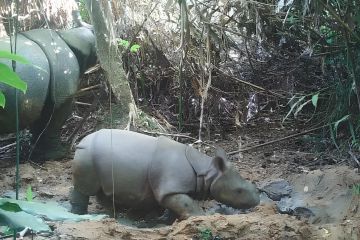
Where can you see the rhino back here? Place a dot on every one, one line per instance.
(64, 67)
(124, 156)
(37, 78)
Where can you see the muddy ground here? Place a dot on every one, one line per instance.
(323, 182)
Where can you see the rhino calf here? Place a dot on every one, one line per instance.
(141, 171)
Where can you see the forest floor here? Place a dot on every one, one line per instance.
(322, 182)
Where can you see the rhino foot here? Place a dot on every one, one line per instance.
(183, 205)
(79, 202)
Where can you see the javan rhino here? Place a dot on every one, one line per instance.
(144, 171)
(58, 59)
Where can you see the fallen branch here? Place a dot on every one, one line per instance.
(277, 140)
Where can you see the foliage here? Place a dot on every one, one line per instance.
(29, 194)
(329, 31)
(124, 43)
(8, 77)
(83, 12)
(206, 234)
(297, 103)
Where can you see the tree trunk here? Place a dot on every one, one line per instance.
(108, 53)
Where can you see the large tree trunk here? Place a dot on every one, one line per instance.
(108, 53)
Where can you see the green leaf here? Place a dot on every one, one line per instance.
(15, 57)
(2, 100)
(333, 137)
(134, 48)
(19, 220)
(10, 78)
(123, 43)
(293, 105)
(301, 107)
(314, 99)
(29, 194)
(51, 211)
(336, 124)
(11, 207)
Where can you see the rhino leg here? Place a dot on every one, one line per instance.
(182, 205)
(79, 202)
(47, 130)
(85, 179)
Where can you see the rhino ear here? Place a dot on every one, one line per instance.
(220, 160)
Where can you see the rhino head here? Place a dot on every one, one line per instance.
(229, 187)
(81, 39)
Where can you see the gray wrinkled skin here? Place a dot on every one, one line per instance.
(145, 171)
(57, 61)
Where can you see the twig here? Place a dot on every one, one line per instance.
(37, 165)
(178, 135)
(250, 84)
(87, 89)
(7, 146)
(92, 108)
(82, 103)
(169, 134)
(92, 69)
(354, 157)
(277, 140)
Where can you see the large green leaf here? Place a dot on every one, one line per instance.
(50, 210)
(11, 207)
(18, 214)
(20, 220)
(15, 57)
(10, 78)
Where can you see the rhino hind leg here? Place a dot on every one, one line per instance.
(85, 180)
(183, 205)
(47, 130)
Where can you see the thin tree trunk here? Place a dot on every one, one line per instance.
(108, 54)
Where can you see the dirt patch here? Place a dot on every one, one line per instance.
(328, 190)
(324, 190)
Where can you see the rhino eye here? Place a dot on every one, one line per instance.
(239, 191)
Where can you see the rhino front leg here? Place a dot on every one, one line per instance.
(182, 205)
(79, 202)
